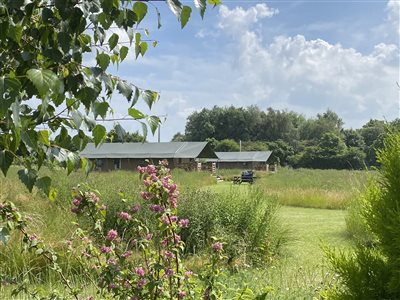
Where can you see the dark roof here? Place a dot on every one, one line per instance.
(260, 156)
(150, 150)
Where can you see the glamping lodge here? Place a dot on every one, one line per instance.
(246, 160)
(128, 156)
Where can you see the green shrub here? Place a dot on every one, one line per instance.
(246, 221)
(373, 272)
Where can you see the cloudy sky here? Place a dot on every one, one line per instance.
(305, 56)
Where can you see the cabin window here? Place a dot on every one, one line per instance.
(117, 163)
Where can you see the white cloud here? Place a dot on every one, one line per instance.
(393, 10)
(238, 19)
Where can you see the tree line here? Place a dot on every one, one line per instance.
(318, 142)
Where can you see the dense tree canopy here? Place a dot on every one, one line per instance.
(50, 95)
(319, 142)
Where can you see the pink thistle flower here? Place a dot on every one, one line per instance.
(141, 169)
(126, 254)
(173, 201)
(169, 272)
(151, 169)
(141, 283)
(169, 254)
(135, 208)
(184, 223)
(156, 208)
(77, 201)
(112, 235)
(149, 236)
(177, 239)
(217, 247)
(147, 183)
(105, 249)
(145, 195)
(140, 271)
(153, 177)
(181, 294)
(164, 243)
(172, 188)
(124, 216)
(164, 162)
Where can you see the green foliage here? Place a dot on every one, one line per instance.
(372, 271)
(42, 50)
(227, 145)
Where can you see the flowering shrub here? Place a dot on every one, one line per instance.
(129, 261)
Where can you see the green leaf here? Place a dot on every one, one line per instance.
(113, 41)
(143, 48)
(125, 89)
(185, 15)
(43, 80)
(99, 134)
(44, 184)
(4, 235)
(149, 97)
(15, 32)
(43, 137)
(140, 9)
(201, 6)
(73, 161)
(100, 109)
(30, 139)
(144, 130)
(214, 2)
(103, 60)
(76, 118)
(175, 6)
(123, 52)
(28, 177)
(153, 122)
(120, 131)
(6, 159)
(134, 113)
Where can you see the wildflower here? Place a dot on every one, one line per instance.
(169, 272)
(164, 243)
(169, 254)
(134, 243)
(124, 216)
(145, 195)
(135, 208)
(77, 201)
(141, 169)
(111, 262)
(217, 247)
(164, 162)
(126, 254)
(105, 249)
(147, 183)
(184, 223)
(172, 188)
(181, 294)
(188, 274)
(93, 197)
(141, 283)
(112, 286)
(173, 201)
(177, 239)
(149, 236)
(103, 207)
(112, 235)
(126, 284)
(156, 208)
(151, 169)
(140, 271)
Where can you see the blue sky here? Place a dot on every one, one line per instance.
(305, 56)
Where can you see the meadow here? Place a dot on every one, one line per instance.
(297, 211)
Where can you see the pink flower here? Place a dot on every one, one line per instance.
(151, 169)
(169, 272)
(93, 197)
(103, 207)
(172, 188)
(173, 201)
(124, 216)
(112, 235)
(134, 243)
(177, 239)
(217, 247)
(169, 254)
(153, 177)
(141, 169)
(181, 294)
(111, 262)
(126, 254)
(112, 286)
(149, 236)
(188, 274)
(164, 162)
(141, 283)
(164, 243)
(105, 249)
(156, 208)
(140, 271)
(126, 284)
(145, 195)
(184, 223)
(75, 210)
(135, 208)
(147, 183)
(77, 201)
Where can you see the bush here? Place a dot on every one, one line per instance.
(373, 272)
(246, 221)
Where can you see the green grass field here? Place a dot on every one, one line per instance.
(312, 203)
